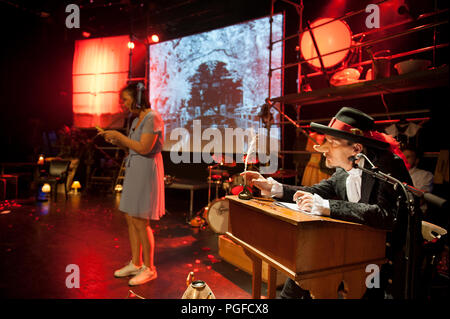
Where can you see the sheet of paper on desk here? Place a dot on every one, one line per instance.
(292, 206)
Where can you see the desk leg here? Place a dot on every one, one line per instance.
(256, 276)
(191, 205)
(272, 282)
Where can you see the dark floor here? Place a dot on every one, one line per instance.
(39, 239)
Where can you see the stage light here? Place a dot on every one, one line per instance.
(118, 188)
(155, 38)
(330, 37)
(86, 34)
(130, 45)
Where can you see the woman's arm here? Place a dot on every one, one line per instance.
(143, 146)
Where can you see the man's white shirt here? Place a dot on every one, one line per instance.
(322, 206)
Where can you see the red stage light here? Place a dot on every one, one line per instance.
(86, 34)
(330, 37)
(155, 38)
(131, 45)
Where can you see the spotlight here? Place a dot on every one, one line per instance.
(86, 34)
(131, 45)
(155, 38)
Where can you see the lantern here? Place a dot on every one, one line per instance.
(41, 160)
(46, 188)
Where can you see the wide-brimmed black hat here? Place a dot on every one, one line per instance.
(353, 125)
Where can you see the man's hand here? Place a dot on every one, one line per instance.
(304, 200)
(256, 179)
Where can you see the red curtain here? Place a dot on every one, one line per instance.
(100, 70)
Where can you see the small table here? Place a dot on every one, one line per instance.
(13, 176)
(190, 185)
(15, 164)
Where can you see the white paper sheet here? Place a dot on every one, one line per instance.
(293, 206)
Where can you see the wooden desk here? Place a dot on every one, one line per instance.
(317, 252)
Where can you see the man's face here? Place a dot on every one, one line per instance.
(336, 152)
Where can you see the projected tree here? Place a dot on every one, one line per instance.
(215, 76)
(215, 93)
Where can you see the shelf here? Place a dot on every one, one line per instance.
(437, 77)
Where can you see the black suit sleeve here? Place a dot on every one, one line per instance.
(325, 189)
(381, 211)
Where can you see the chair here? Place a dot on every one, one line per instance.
(10, 177)
(431, 231)
(58, 173)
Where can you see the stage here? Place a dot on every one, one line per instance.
(336, 104)
(40, 239)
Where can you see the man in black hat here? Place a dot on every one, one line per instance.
(350, 194)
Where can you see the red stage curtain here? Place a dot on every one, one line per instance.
(100, 70)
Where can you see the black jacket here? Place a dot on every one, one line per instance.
(378, 204)
(376, 208)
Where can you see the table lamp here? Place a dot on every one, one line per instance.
(76, 185)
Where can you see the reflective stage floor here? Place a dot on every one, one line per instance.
(38, 240)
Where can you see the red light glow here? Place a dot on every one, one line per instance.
(100, 69)
(330, 37)
(155, 38)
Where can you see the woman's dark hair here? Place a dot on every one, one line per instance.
(132, 89)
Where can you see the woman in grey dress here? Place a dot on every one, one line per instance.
(142, 197)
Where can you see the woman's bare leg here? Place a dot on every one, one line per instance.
(146, 239)
(134, 241)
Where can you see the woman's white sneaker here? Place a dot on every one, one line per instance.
(144, 275)
(128, 270)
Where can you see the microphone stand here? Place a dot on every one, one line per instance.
(290, 120)
(410, 233)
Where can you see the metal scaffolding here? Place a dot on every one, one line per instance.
(436, 77)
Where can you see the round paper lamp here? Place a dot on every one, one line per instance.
(330, 37)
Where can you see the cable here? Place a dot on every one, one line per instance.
(385, 106)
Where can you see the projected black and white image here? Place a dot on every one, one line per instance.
(219, 77)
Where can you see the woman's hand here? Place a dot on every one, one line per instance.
(111, 136)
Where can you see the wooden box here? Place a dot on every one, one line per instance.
(235, 255)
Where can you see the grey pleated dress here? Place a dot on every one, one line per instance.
(143, 186)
